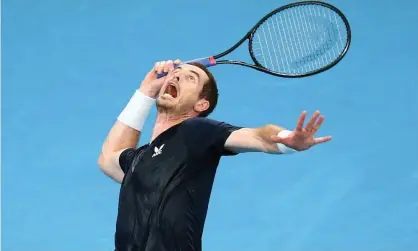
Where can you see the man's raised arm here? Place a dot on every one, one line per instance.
(125, 132)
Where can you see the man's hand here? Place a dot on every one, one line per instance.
(303, 138)
(151, 86)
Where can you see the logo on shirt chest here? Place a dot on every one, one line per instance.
(158, 150)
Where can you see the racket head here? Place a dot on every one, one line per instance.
(300, 39)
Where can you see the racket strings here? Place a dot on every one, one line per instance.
(300, 39)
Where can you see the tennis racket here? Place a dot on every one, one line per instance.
(296, 40)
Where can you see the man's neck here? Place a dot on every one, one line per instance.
(165, 121)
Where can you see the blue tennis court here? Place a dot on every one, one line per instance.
(69, 68)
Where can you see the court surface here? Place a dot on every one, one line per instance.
(69, 67)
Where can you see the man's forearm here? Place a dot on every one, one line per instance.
(254, 140)
(264, 134)
(126, 131)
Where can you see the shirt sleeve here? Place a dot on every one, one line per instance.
(127, 157)
(209, 134)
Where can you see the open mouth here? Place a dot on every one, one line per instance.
(171, 90)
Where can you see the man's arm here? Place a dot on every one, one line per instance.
(125, 132)
(274, 139)
(254, 140)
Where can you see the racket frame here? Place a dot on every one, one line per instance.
(250, 35)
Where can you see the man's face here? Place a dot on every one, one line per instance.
(180, 92)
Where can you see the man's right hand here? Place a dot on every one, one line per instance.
(151, 85)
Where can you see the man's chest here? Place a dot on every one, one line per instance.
(158, 163)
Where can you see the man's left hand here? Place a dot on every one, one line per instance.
(303, 138)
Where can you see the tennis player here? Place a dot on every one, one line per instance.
(166, 184)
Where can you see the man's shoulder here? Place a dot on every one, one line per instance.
(199, 121)
(206, 133)
(199, 127)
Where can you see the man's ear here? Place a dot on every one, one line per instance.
(201, 105)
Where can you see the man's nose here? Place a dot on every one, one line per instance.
(176, 77)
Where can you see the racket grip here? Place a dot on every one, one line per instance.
(207, 62)
(160, 75)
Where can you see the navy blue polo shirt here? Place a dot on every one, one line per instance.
(165, 193)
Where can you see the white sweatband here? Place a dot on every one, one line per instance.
(283, 148)
(136, 111)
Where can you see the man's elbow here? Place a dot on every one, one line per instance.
(103, 163)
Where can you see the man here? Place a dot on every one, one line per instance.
(166, 184)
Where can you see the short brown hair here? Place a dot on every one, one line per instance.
(209, 90)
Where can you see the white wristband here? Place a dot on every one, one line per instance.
(283, 148)
(136, 111)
